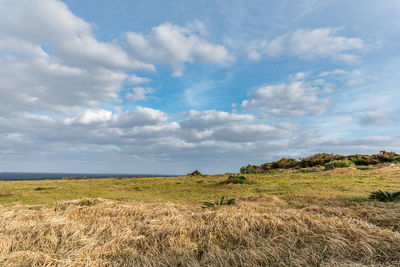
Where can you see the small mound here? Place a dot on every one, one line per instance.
(195, 173)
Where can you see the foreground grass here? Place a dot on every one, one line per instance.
(340, 184)
(257, 231)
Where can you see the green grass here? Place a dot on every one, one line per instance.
(344, 184)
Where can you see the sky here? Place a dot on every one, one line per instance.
(167, 87)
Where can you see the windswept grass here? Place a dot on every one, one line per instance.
(257, 231)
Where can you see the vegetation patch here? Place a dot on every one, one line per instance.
(43, 188)
(385, 196)
(237, 179)
(342, 163)
(219, 203)
(330, 161)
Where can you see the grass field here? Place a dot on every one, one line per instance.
(284, 219)
(338, 184)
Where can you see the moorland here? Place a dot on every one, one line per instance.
(300, 216)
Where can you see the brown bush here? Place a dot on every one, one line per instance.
(284, 163)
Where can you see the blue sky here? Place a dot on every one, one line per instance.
(169, 87)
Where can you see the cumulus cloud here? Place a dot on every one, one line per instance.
(174, 46)
(90, 116)
(50, 60)
(139, 116)
(138, 93)
(309, 44)
(50, 23)
(295, 98)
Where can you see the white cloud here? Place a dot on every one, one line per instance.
(136, 80)
(335, 72)
(296, 98)
(174, 46)
(140, 116)
(90, 116)
(309, 44)
(323, 42)
(210, 118)
(138, 93)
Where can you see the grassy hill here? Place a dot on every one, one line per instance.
(280, 218)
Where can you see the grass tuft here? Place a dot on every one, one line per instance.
(385, 196)
(219, 203)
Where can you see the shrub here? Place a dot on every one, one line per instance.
(284, 163)
(329, 166)
(266, 167)
(219, 203)
(251, 169)
(343, 163)
(382, 157)
(318, 159)
(330, 161)
(384, 196)
(236, 179)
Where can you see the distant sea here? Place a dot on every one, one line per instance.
(18, 176)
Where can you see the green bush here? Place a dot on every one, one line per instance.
(343, 163)
(384, 196)
(251, 169)
(236, 179)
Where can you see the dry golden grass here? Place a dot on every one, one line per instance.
(258, 230)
